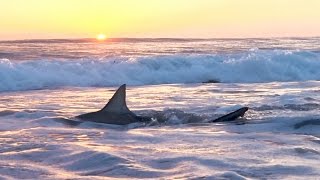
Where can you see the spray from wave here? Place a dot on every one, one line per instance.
(248, 67)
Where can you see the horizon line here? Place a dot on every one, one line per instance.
(178, 38)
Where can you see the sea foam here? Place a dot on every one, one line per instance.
(246, 67)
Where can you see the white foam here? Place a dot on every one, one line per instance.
(249, 67)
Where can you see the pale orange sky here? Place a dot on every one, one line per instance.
(32, 19)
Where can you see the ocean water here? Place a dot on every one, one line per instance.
(43, 83)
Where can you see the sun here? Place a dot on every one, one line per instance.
(101, 37)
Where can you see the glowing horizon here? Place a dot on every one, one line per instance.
(35, 19)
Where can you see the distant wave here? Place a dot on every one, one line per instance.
(88, 40)
(249, 67)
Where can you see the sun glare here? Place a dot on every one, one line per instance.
(101, 37)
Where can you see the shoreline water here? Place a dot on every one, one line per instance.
(276, 79)
(35, 145)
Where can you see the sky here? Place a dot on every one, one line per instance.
(38, 19)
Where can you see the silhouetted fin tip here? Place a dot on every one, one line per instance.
(118, 102)
(232, 116)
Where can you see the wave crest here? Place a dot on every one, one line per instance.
(249, 67)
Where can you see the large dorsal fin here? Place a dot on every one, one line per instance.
(117, 104)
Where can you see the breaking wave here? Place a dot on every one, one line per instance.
(248, 67)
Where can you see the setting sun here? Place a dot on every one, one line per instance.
(101, 37)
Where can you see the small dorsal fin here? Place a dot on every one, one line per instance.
(117, 104)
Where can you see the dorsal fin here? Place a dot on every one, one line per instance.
(117, 104)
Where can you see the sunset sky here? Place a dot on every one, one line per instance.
(32, 19)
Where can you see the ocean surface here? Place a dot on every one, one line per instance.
(43, 82)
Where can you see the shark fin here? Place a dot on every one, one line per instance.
(117, 104)
(231, 116)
